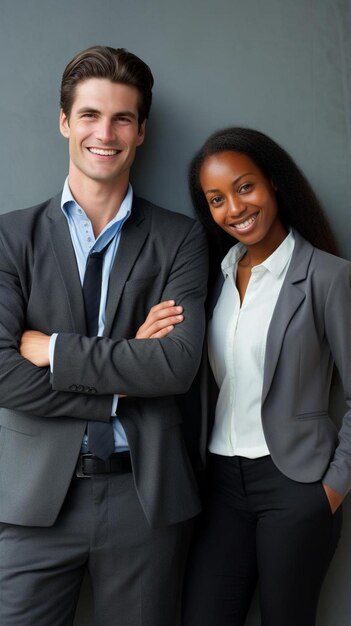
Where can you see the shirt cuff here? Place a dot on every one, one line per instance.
(114, 405)
(52, 343)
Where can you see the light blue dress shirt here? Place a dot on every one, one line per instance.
(84, 242)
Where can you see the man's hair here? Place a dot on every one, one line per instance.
(117, 65)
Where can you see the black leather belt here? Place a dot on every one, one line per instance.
(89, 465)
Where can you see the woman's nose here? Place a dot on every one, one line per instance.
(236, 206)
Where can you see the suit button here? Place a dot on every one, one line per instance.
(72, 388)
(80, 388)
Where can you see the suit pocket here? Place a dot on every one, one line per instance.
(313, 415)
(14, 447)
(18, 422)
(139, 284)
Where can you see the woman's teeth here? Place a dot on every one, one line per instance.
(246, 223)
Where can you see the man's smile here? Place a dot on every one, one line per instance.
(104, 151)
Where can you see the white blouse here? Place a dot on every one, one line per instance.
(237, 344)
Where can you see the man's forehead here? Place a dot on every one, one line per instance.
(98, 92)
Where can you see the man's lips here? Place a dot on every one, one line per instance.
(104, 151)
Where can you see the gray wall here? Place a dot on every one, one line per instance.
(282, 66)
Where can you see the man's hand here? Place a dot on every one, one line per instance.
(34, 346)
(335, 498)
(160, 321)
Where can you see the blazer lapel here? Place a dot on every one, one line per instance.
(291, 296)
(67, 265)
(134, 232)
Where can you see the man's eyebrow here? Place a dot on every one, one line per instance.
(117, 114)
(87, 110)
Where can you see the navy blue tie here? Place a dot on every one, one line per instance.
(100, 434)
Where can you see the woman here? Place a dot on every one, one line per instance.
(279, 320)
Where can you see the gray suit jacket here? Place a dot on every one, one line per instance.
(310, 331)
(162, 255)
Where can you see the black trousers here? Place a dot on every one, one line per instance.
(259, 526)
(136, 571)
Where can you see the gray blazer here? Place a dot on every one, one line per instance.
(310, 331)
(162, 255)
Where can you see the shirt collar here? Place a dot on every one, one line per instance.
(69, 204)
(275, 263)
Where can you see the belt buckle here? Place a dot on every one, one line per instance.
(80, 466)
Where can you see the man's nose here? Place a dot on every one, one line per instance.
(105, 131)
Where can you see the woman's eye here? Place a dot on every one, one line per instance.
(245, 188)
(216, 200)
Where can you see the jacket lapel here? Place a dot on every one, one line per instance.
(134, 232)
(291, 296)
(67, 266)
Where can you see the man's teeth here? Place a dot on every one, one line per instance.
(246, 223)
(102, 152)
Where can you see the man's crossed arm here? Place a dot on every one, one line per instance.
(160, 321)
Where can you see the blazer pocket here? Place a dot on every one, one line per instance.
(139, 284)
(324, 497)
(312, 415)
(10, 420)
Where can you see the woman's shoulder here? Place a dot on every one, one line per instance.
(326, 261)
(319, 258)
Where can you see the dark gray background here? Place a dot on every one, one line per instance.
(281, 66)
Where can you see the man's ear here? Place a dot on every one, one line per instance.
(141, 133)
(64, 124)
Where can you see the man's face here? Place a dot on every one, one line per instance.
(103, 131)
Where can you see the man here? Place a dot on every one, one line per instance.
(123, 515)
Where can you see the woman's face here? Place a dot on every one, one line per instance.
(241, 199)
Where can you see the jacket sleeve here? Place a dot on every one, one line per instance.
(144, 367)
(23, 386)
(338, 333)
